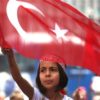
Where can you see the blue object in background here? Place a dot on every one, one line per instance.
(9, 87)
(79, 77)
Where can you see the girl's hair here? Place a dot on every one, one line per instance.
(62, 83)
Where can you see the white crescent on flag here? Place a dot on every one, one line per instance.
(28, 38)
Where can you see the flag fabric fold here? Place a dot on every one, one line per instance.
(41, 27)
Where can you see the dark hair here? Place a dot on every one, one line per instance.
(62, 83)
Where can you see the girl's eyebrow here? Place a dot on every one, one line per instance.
(53, 67)
(42, 67)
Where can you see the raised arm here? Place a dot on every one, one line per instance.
(22, 83)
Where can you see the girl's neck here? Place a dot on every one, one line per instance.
(52, 95)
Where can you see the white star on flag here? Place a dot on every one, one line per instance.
(60, 33)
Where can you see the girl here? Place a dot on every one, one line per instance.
(51, 78)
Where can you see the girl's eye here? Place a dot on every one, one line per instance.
(54, 69)
(42, 70)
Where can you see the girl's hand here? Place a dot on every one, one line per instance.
(7, 51)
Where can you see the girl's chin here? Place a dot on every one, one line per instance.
(49, 87)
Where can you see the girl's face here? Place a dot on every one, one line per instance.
(49, 74)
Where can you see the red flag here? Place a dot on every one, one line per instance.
(3, 43)
(40, 27)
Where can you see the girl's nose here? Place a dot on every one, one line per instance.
(47, 73)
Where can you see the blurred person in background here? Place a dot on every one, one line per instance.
(2, 95)
(80, 94)
(95, 87)
(96, 96)
(17, 95)
(6, 83)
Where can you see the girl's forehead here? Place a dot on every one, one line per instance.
(48, 63)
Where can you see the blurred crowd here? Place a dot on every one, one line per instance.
(9, 90)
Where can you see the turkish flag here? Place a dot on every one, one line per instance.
(3, 43)
(41, 27)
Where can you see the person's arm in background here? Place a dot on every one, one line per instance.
(22, 83)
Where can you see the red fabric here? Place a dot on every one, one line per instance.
(3, 43)
(79, 45)
(54, 58)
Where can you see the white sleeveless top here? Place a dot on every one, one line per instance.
(39, 96)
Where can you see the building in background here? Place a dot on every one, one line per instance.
(91, 8)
